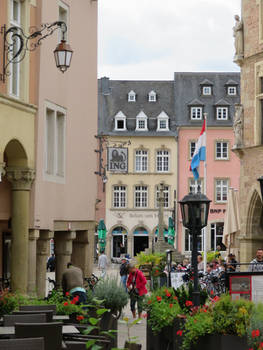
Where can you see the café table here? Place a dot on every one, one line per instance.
(60, 317)
(10, 331)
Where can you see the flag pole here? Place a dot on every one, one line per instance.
(205, 192)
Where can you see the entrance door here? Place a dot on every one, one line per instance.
(140, 244)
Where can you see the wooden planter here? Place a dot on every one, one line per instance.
(132, 346)
(221, 342)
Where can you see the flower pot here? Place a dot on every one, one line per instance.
(109, 322)
(221, 342)
(132, 346)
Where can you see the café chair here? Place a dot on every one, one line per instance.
(52, 307)
(10, 320)
(22, 344)
(48, 313)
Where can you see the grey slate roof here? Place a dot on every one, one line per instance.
(173, 97)
(187, 87)
(113, 97)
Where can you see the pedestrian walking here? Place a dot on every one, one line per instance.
(51, 263)
(136, 286)
(256, 265)
(103, 264)
(124, 271)
(72, 283)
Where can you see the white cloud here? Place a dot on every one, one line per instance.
(150, 39)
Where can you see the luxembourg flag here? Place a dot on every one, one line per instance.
(200, 152)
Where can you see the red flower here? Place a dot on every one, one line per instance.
(261, 345)
(159, 298)
(149, 302)
(80, 318)
(73, 302)
(188, 303)
(212, 292)
(175, 298)
(67, 294)
(180, 333)
(216, 298)
(66, 303)
(255, 333)
(171, 305)
(168, 294)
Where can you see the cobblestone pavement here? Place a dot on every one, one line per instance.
(139, 330)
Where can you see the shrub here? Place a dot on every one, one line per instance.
(111, 291)
(255, 329)
(186, 294)
(10, 302)
(155, 259)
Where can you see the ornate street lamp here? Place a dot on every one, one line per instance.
(260, 180)
(16, 43)
(195, 209)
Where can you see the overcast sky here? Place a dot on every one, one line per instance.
(151, 39)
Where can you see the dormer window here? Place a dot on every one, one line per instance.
(152, 96)
(231, 90)
(120, 122)
(131, 96)
(206, 90)
(221, 113)
(163, 122)
(141, 122)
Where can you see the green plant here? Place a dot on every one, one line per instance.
(10, 302)
(111, 291)
(255, 329)
(185, 296)
(129, 325)
(162, 308)
(153, 259)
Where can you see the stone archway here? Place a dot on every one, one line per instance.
(252, 238)
(21, 178)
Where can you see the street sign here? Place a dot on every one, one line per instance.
(117, 159)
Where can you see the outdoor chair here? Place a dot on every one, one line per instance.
(79, 341)
(10, 320)
(51, 332)
(22, 344)
(52, 307)
(48, 313)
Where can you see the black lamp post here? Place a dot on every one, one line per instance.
(195, 209)
(169, 265)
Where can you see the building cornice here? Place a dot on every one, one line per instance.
(18, 104)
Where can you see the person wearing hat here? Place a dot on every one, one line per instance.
(124, 271)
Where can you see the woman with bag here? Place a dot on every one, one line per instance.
(136, 286)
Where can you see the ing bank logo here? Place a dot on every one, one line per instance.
(117, 159)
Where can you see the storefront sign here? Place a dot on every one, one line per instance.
(217, 211)
(117, 160)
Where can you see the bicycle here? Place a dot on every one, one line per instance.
(91, 281)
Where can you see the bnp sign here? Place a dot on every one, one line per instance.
(118, 159)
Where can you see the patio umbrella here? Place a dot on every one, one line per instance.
(232, 219)
(171, 231)
(102, 232)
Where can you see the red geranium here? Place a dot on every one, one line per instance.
(159, 298)
(255, 333)
(66, 303)
(175, 298)
(80, 317)
(188, 303)
(171, 305)
(168, 294)
(67, 294)
(149, 302)
(180, 332)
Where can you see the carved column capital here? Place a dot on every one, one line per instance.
(20, 178)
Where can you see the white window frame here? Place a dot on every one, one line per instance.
(206, 90)
(142, 192)
(213, 228)
(65, 7)
(119, 196)
(162, 117)
(55, 176)
(222, 113)
(162, 161)
(221, 189)
(120, 117)
(233, 92)
(222, 146)
(190, 148)
(190, 240)
(166, 193)
(193, 185)
(131, 96)
(141, 117)
(152, 96)
(196, 113)
(141, 161)
(15, 23)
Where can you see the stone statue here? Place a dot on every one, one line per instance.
(239, 39)
(238, 125)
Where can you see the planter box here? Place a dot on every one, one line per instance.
(131, 346)
(110, 322)
(221, 342)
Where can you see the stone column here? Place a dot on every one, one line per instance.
(42, 254)
(21, 180)
(32, 261)
(63, 250)
(83, 251)
(150, 242)
(130, 244)
(108, 245)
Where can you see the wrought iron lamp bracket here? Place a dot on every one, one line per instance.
(16, 43)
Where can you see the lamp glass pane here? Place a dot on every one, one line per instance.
(56, 57)
(68, 58)
(62, 58)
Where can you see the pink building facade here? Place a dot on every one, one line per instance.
(222, 173)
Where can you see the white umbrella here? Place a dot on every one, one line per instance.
(232, 220)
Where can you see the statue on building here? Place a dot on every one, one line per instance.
(238, 125)
(239, 40)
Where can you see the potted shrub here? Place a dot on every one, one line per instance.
(255, 330)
